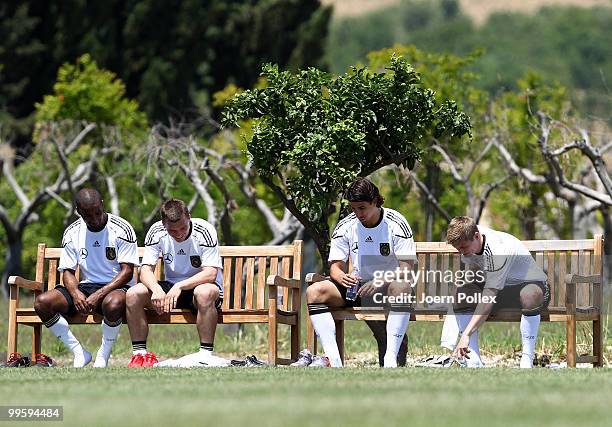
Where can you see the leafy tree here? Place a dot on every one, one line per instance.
(85, 92)
(314, 133)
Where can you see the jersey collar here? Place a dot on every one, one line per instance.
(484, 240)
(382, 215)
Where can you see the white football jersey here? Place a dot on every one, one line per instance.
(505, 260)
(379, 248)
(184, 259)
(98, 254)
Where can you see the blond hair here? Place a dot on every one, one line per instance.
(461, 228)
(172, 210)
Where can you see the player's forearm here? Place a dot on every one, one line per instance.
(70, 281)
(147, 277)
(483, 309)
(124, 277)
(337, 271)
(207, 275)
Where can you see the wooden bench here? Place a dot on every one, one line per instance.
(574, 269)
(261, 284)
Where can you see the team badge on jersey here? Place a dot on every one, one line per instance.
(111, 254)
(196, 261)
(385, 249)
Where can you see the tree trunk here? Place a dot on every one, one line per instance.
(12, 265)
(607, 226)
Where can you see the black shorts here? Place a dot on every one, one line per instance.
(87, 289)
(185, 299)
(508, 297)
(368, 301)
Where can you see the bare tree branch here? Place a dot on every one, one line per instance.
(112, 192)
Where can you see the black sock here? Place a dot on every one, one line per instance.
(208, 346)
(139, 346)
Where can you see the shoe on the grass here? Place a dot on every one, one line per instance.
(438, 361)
(195, 360)
(136, 361)
(526, 362)
(16, 360)
(43, 361)
(304, 358)
(149, 360)
(320, 362)
(253, 362)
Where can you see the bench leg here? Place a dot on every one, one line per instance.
(295, 340)
(340, 338)
(571, 341)
(311, 337)
(36, 341)
(12, 326)
(272, 340)
(597, 343)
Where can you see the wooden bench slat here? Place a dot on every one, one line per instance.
(286, 272)
(238, 272)
(250, 275)
(562, 271)
(261, 281)
(227, 283)
(550, 256)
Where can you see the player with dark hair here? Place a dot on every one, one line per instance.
(103, 247)
(377, 240)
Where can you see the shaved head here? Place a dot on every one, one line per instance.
(90, 207)
(88, 197)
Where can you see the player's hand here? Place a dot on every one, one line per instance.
(367, 290)
(80, 302)
(461, 349)
(157, 299)
(94, 300)
(349, 280)
(171, 298)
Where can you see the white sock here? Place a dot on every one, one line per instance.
(59, 327)
(397, 324)
(450, 331)
(529, 334)
(473, 357)
(109, 336)
(325, 327)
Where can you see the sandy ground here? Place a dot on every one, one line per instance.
(479, 10)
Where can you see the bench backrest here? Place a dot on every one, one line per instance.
(245, 269)
(557, 257)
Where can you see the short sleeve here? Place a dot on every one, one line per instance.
(210, 250)
(340, 247)
(127, 252)
(404, 248)
(69, 257)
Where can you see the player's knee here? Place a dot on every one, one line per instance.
(43, 303)
(136, 294)
(114, 304)
(206, 294)
(316, 292)
(532, 297)
(398, 288)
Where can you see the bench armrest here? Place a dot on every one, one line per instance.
(274, 280)
(577, 278)
(25, 283)
(315, 277)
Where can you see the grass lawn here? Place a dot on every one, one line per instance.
(315, 397)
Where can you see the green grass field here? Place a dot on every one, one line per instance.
(315, 397)
(497, 340)
(360, 396)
